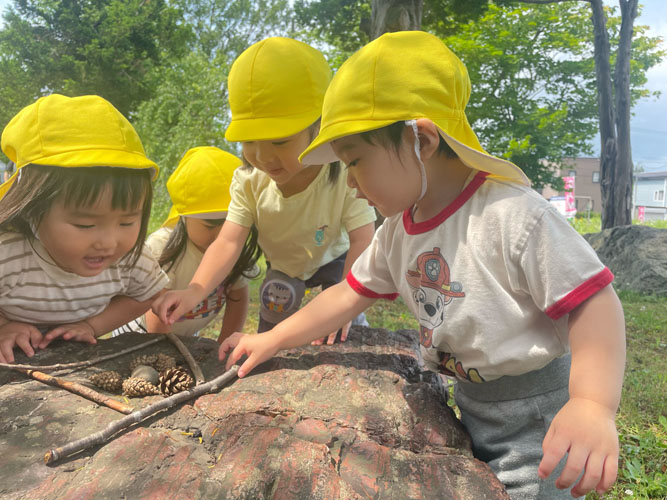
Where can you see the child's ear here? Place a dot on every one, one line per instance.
(429, 138)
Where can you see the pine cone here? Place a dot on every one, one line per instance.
(138, 387)
(109, 381)
(164, 362)
(175, 380)
(144, 359)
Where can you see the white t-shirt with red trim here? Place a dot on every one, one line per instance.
(491, 279)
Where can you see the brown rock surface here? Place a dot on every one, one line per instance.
(356, 420)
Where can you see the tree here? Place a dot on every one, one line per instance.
(533, 96)
(103, 47)
(189, 105)
(615, 103)
(347, 25)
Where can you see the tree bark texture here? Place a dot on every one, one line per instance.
(622, 209)
(388, 16)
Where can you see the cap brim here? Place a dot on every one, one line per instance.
(95, 158)
(320, 150)
(266, 129)
(480, 160)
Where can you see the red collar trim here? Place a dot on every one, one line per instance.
(427, 225)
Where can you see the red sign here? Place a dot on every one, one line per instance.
(570, 204)
(640, 214)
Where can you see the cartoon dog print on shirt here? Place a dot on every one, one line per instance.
(432, 292)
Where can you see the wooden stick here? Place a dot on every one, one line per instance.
(89, 362)
(194, 366)
(79, 389)
(56, 454)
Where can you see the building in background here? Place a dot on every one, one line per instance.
(648, 191)
(586, 172)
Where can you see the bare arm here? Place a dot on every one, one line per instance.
(585, 427)
(154, 325)
(121, 310)
(328, 311)
(218, 261)
(236, 312)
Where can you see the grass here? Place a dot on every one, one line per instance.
(642, 416)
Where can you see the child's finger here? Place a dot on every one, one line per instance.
(609, 473)
(6, 351)
(50, 335)
(248, 365)
(331, 339)
(35, 337)
(24, 343)
(553, 452)
(234, 356)
(344, 332)
(576, 461)
(318, 341)
(592, 475)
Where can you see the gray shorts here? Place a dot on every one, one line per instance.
(281, 295)
(507, 420)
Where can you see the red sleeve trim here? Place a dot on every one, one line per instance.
(362, 290)
(580, 294)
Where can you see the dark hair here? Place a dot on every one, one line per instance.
(334, 167)
(37, 187)
(392, 135)
(244, 266)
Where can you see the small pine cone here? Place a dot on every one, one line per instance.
(164, 362)
(108, 381)
(138, 387)
(175, 380)
(144, 359)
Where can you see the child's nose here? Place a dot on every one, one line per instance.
(264, 154)
(105, 240)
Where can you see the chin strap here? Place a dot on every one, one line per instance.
(413, 124)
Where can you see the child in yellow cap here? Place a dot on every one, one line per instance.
(199, 191)
(310, 226)
(73, 219)
(503, 288)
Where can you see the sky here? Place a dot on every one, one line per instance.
(649, 123)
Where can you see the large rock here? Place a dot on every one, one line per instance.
(637, 255)
(357, 420)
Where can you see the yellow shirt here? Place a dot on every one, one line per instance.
(303, 232)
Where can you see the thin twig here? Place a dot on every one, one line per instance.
(56, 454)
(194, 366)
(79, 389)
(89, 362)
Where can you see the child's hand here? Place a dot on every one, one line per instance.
(14, 333)
(586, 431)
(80, 332)
(171, 305)
(331, 339)
(258, 348)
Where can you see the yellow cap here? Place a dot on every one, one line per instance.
(61, 131)
(276, 88)
(199, 187)
(400, 76)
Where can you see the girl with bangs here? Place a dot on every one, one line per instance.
(73, 219)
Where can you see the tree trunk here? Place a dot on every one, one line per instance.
(608, 142)
(388, 16)
(621, 211)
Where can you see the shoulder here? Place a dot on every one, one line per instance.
(157, 240)
(14, 247)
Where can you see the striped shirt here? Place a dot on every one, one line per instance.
(33, 289)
